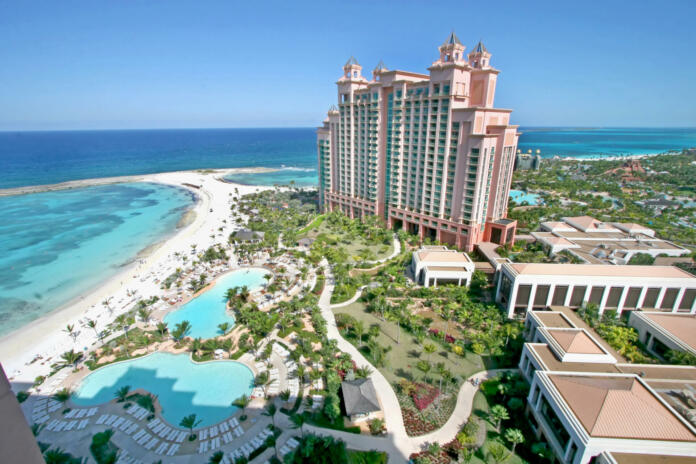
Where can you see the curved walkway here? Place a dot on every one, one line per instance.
(397, 444)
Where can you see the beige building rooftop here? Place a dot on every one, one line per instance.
(619, 407)
(681, 326)
(552, 269)
(575, 341)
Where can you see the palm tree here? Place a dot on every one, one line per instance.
(62, 395)
(146, 402)
(196, 345)
(224, 327)
(359, 328)
(122, 393)
(122, 323)
(190, 422)
(162, 328)
(430, 349)
(181, 330)
(244, 293)
(92, 324)
(298, 422)
(71, 358)
(498, 414)
(231, 294)
(216, 458)
(242, 402)
(515, 437)
(285, 395)
(144, 314)
(107, 305)
(70, 330)
(271, 411)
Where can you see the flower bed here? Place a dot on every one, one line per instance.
(414, 424)
(423, 395)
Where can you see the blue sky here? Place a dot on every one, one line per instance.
(169, 64)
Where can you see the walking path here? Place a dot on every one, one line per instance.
(397, 444)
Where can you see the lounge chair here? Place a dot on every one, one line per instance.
(173, 449)
(180, 437)
(153, 424)
(151, 444)
(164, 446)
(83, 423)
(203, 447)
(203, 434)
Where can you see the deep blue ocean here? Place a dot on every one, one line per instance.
(54, 246)
(34, 158)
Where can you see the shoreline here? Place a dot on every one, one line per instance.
(95, 181)
(45, 336)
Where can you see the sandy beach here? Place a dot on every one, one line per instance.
(46, 337)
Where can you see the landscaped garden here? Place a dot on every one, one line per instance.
(427, 341)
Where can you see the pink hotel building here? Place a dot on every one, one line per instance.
(427, 152)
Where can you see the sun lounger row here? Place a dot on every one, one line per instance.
(137, 412)
(80, 413)
(289, 445)
(60, 425)
(247, 448)
(125, 458)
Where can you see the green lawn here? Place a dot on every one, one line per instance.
(480, 409)
(402, 359)
(353, 246)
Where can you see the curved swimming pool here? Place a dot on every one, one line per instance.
(208, 310)
(521, 197)
(182, 386)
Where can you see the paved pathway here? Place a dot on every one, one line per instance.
(398, 445)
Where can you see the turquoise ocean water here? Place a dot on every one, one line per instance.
(57, 245)
(54, 246)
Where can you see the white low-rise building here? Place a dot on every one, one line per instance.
(522, 287)
(587, 403)
(438, 265)
(661, 332)
(597, 242)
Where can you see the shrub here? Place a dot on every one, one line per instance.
(22, 396)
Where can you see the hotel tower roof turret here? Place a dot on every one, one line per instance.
(426, 152)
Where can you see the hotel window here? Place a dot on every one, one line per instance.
(670, 298)
(523, 294)
(614, 297)
(577, 295)
(650, 300)
(559, 295)
(688, 299)
(542, 293)
(596, 295)
(632, 296)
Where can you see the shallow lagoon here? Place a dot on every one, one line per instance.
(58, 245)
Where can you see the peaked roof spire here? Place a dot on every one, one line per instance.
(480, 48)
(351, 61)
(453, 39)
(380, 66)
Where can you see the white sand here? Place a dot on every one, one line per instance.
(46, 336)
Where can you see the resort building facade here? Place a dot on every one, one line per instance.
(428, 153)
(585, 401)
(522, 287)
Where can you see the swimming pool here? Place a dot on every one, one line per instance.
(181, 386)
(520, 197)
(207, 310)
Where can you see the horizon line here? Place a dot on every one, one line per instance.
(585, 126)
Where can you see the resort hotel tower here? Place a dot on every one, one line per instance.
(428, 153)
